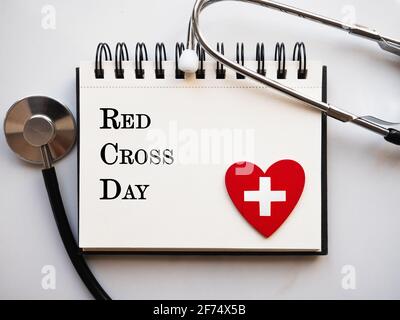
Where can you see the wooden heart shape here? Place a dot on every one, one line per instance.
(265, 199)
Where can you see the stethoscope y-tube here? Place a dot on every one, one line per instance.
(189, 63)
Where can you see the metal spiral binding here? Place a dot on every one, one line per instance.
(201, 72)
(140, 56)
(179, 47)
(220, 71)
(160, 56)
(102, 47)
(121, 54)
(300, 50)
(260, 57)
(280, 56)
(240, 58)
(103, 52)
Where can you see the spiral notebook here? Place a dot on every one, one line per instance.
(210, 162)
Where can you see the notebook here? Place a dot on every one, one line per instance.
(211, 162)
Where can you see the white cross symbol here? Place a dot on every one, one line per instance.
(265, 196)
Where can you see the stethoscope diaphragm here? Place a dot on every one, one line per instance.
(38, 121)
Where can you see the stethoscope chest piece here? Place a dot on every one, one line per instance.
(36, 122)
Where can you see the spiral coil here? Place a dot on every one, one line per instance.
(299, 54)
(220, 71)
(103, 53)
(160, 56)
(121, 54)
(140, 56)
(179, 47)
(280, 56)
(101, 48)
(260, 57)
(201, 72)
(240, 58)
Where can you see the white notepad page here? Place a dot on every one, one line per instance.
(209, 124)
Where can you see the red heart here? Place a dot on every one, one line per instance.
(279, 190)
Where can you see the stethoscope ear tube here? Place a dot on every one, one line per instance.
(373, 124)
(53, 191)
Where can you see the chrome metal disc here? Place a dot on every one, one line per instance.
(37, 121)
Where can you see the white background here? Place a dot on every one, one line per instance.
(364, 172)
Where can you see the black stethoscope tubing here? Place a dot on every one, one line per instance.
(64, 228)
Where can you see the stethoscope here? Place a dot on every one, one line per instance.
(189, 63)
(41, 130)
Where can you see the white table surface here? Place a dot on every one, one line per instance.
(363, 172)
